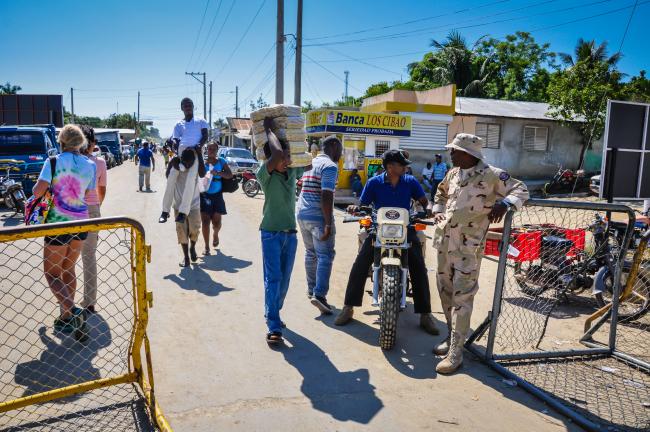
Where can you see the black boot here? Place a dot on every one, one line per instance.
(163, 217)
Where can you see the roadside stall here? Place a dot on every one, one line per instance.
(365, 137)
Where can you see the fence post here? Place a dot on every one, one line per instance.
(498, 287)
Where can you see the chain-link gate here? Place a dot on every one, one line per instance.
(86, 371)
(561, 268)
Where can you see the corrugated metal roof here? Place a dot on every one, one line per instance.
(502, 108)
(239, 123)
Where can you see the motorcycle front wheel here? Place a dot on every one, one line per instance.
(390, 300)
(531, 278)
(636, 305)
(251, 188)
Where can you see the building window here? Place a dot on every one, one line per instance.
(491, 134)
(535, 138)
(381, 146)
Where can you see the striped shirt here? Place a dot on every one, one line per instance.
(322, 176)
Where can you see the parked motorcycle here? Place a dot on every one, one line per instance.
(249, 184)
(11, 190)
(565, 267)
(567, 181)
(390, 266)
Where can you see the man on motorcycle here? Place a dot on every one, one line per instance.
(393, 188)
(472, 195)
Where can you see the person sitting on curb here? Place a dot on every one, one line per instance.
(189, 133)
(187, 230)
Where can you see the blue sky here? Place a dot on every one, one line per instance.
(107, 50)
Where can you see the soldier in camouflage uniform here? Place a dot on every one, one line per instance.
(472, 195)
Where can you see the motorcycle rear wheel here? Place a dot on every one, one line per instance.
(390, 300)
(251, 188)
(530, 278)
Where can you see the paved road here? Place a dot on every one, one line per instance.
(214, 371)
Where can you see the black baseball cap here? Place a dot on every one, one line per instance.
(395, 156)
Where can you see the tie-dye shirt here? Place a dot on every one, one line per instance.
(75, 174)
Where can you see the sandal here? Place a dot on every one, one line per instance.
(274, 338)
(206, 251)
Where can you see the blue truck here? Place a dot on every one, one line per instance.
(33, 145)
(111, 139)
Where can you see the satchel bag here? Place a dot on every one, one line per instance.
(37, 209)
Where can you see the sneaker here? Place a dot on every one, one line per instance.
(345, 316)
(163, 217)
(310, 295)
(321, 303)
(64, 325)
(180, 218)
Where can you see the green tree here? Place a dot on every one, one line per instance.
(518, 68)
(8, 88)
(577, 97)
(95, 122)
(219, 123)
(590, 53)
(638, 89)
(307, 106)
(260, 103)
(453, 61)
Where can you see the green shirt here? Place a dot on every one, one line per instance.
(279, 212)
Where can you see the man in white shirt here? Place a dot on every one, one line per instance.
(189, 133)
(426, 175)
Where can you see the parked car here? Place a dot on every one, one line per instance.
(108, 156)
(239, 159)
(111, 139)
(32, 145)
(594, 184)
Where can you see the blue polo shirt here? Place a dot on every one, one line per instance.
(381, 193)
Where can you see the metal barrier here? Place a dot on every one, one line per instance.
(93, 378)
(551, 256)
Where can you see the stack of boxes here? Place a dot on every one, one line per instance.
(289, 125)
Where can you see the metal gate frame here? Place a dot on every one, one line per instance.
(143, 300)
(592, 349)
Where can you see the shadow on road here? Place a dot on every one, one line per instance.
(194, 278)
(346, 396)
(411, 355)
(11, 220)
(66, 362)
(223, 262)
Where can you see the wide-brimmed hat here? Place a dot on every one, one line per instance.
(468, 143)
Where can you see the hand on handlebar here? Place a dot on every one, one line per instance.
(439, 217)
(352, 209)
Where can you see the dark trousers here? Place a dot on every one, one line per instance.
(417, 273)
(434, 188)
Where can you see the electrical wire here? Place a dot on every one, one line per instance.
(214, 41)
(361, 61)
(456, 26)
(241, 39)
(334, 74)
(207, 35)
(207, 3)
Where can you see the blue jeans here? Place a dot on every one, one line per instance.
(319, 256)
(278, 253)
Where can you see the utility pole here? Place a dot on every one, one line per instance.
(118, 108)
(347, 74)
(210, 105)
(135, 125)
(236, 101)
(279, 55)
(72, 103)
(205, 105)
(297, 80)
(138, 108)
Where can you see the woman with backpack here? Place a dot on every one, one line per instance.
(212, 204)
(70, 178)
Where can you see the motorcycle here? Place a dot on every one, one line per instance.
(249, 184)
(566, 268)
(565, 181)
(390, 266)
(11, 190)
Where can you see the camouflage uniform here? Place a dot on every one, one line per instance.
(466, 198)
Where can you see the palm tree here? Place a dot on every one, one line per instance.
(454, 62)
(8, 88)
(591, 53)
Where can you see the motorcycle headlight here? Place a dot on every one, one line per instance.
(392, 231)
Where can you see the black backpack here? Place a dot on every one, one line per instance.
(229, 185)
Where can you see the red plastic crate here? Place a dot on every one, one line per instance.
(527, 242)
(577, 236)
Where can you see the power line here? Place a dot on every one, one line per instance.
(214, 41)
(455, 26)
(130, 89)
(207, 35)
(374, 58)
(207, 3)
(370, 29)
(242, 38)
(334, 74)
(361, 61)
(256, 68)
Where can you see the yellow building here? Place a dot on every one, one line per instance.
(365, 137)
